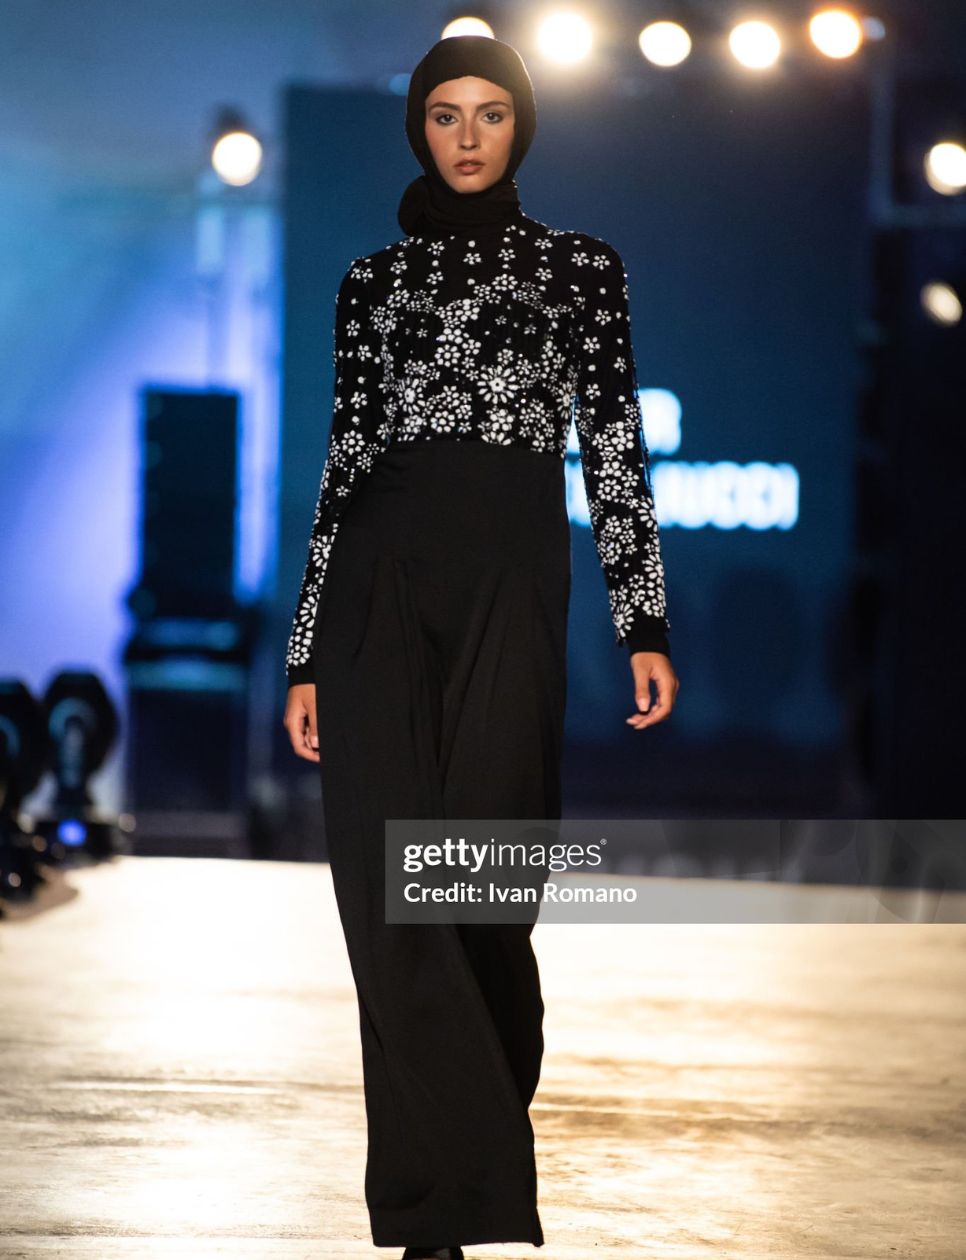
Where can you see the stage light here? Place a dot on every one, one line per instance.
(82, 726)
(467, 26)
(836, 33)
(945, 167)
(755, 45)
(565, 37)
(236, 153)
(24, 756)
(941, 303)
(664, 43)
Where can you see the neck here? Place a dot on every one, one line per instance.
(430, 207)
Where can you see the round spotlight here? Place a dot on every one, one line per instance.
(467, 26)
(945, 167)
(237, 158)
(236, 154)
(836, 32)
(941, 303)
(664, 43)
(755, 45)
(565, 38)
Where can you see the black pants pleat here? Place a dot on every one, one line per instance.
(440, 657)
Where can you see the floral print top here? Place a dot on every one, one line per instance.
(506, 337)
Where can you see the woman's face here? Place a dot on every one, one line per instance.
(470, 120)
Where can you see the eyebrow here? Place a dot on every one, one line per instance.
(450, 105)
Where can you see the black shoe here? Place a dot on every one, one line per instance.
(433, 1253)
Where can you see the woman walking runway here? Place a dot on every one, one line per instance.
(427, 662)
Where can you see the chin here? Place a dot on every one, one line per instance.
(475, 185)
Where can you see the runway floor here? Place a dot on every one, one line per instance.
(180, 1077)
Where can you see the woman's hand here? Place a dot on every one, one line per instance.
(300, 721)
(645, 666)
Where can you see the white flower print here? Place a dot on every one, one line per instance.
(498, 426)
(449, 352)
(497, 384)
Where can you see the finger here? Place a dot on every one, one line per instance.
(663, 684)
(294, 725)
(300, 748)
(659, 710)
(643, 697)
(305, 748)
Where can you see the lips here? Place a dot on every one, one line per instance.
(468, 166)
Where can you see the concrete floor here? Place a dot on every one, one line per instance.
(180, 1077)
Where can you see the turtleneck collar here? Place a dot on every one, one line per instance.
(429, 215)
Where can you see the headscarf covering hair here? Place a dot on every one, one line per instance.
(429, 206)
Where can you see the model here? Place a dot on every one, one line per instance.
(431, 623)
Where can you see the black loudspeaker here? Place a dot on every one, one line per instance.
(187, 660)
(189, 470)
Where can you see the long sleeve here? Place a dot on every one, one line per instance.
(614, 455)
(358, 433)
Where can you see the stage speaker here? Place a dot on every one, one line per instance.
(187, 660)
(189, 469)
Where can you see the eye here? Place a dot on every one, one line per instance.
(490, 113)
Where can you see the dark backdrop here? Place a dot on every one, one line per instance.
(739, 214)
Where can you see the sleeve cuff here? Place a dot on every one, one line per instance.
(647, 634)
(296, 674)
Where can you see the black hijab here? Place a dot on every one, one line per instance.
(429, 206)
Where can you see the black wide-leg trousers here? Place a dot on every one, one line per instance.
(440, 665)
